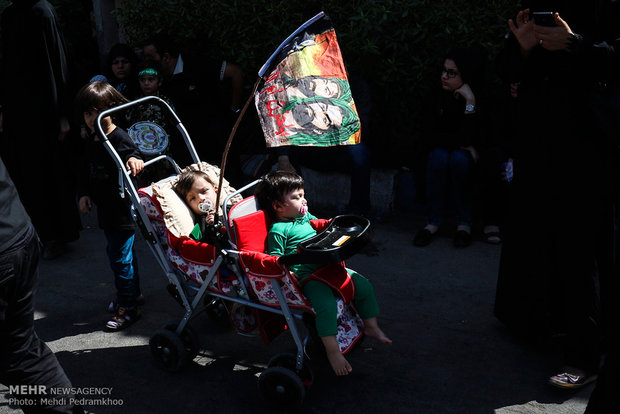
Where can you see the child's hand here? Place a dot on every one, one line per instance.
(135, 165)
(85, 204)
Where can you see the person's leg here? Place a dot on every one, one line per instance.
(121, 258)
(436, 184)
(24, 358)
(367, 307)
(323, 302)
(359, 158)
(577, 275)
(460, 175)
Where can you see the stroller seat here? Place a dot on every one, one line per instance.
(193, 259)
(248, 229)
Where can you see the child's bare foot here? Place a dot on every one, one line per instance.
(339, 363)
(371, 328)
(378, 334)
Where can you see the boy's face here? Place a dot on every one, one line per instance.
(90, 116)
(149, 84)
(293, 206)
(121, 67)
(201, 191)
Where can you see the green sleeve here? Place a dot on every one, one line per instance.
(196, 234)
(275, 243)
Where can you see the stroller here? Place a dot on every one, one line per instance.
(238, 284)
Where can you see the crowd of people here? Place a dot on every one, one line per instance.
(543, 172)
(548, 171)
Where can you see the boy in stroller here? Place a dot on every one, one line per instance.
(281, 194)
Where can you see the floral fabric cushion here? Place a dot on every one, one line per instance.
(178, 217)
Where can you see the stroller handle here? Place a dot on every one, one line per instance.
(124, 180)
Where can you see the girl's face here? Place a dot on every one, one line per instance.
(149, 84)
(293, 206)
(121, 67)
(201, 191)
(451, 78)
(90, 116)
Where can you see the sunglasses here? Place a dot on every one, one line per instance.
(450, 73)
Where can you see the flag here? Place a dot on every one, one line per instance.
(306, 99)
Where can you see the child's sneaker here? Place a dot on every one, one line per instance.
(123, 317)
(572, 380)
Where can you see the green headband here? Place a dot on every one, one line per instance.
(149, 71)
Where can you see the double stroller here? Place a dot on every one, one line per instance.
(236, 283)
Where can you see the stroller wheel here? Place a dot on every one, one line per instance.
(281, 387)
(169, 350)
(189, 337)
(288, 360)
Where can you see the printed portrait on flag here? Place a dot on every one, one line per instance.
(306, 98)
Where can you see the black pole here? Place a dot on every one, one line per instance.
(229, 142)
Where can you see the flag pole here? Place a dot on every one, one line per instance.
(229, 142)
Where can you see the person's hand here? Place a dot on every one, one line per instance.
(507, 172)
(523, 29)
(64, 128)
(210, 218)
(556, 37)
(85, 204)
(472, 151)
(467, 94)
(284, 164)
(135, 165)
(83, 132)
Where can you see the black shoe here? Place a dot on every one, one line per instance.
(462, 238)
(423, 238)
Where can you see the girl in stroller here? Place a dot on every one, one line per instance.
(200, 194)
(281, 194)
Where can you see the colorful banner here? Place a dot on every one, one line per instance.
(306, 99)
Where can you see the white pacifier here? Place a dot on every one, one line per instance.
(304, 209)
(206, 206)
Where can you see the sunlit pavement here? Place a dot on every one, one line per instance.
(449, 354)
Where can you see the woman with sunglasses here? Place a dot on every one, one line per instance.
(452, 133)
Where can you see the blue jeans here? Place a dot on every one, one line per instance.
(449, 170)
(124, 264)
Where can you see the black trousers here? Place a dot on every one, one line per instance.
(24, 358)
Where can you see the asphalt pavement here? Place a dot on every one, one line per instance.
(449, 354)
